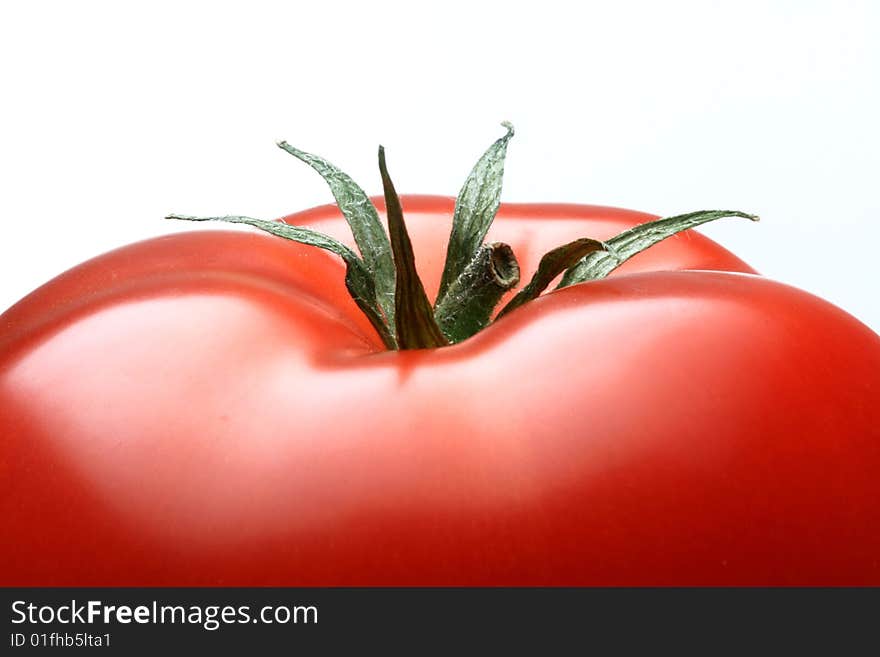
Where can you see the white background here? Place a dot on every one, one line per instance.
(112, 116)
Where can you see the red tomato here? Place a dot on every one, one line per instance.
(212, 408)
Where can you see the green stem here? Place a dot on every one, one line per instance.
(468, 304)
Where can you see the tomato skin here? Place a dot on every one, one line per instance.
(210, 408)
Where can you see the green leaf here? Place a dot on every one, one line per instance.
(467, 307)
(635, 240)
(414, 317)
(358, 278)
(475, 209)
(366, 227)
(552, 264)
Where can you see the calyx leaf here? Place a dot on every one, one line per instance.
(414, 317)
(363, 219)
(624, 246)
(552, 264)
(475, 209)
(358, 279)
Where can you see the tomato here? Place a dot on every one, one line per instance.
(211, 408)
